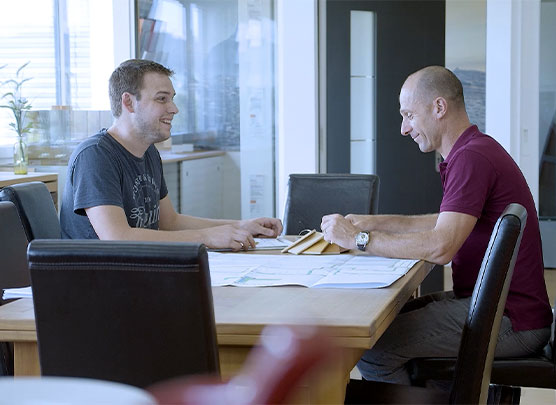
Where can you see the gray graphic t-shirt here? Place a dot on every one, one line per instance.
(103, 172)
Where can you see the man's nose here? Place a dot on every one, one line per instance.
(405, 129)
(174, 108)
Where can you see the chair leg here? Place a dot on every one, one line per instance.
(6, 359)
(503, 395)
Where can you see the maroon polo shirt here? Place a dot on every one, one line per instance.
(480, 178)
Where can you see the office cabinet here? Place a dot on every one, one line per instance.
(201, 187)
(172, 178)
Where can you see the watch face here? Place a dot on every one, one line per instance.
(362, 239)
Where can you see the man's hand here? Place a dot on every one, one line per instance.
(339, 230)
(228, 236)
(262, 227)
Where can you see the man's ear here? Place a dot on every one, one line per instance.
(440, 107)
(128, 102)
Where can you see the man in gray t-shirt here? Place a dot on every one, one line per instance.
(115, 186)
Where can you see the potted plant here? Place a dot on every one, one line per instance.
(19, 106)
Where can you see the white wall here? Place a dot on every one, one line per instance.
(124, 30)
(297, 89)
(512, 82)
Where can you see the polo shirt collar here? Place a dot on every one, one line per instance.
(461, 141)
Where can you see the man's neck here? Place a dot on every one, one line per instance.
(128, 139)
(453, 132)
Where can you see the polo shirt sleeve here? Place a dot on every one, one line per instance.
(468, 180)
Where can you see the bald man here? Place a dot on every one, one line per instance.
(479, 180)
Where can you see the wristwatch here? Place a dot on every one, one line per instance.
(362, 240)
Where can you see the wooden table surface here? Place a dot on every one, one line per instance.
(355, 318)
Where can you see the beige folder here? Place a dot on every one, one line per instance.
(313, 243)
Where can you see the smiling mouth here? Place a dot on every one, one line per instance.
(167, 122)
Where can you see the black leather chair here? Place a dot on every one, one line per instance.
(14, 271)
(130, 312)
(36, 209)
(311, 196)
(538, 371)
(470, 381)
(13, 248)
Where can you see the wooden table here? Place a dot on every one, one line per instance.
(50, 179)
(356, 318)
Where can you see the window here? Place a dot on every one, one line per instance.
(69, 47)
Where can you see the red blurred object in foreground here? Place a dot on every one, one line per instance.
(284, 355)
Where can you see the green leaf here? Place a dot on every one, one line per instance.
(21, 68)
(10, 81)
(23, 81)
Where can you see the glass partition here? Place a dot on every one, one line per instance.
(222, 53)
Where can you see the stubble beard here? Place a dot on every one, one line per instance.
(151, 133)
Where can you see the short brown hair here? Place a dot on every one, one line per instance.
(437, 81)
(128, 77)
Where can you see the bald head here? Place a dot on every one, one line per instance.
(437, 81)
(433, 110)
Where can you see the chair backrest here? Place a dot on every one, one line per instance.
(130, 312)
(311, 196)
(13, 247)
(36, 209)
(480, 332)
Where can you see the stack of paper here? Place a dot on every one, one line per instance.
(321, 271)
(23, 292)
(263, 244)
(271, 243)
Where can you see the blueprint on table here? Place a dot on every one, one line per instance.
(328, 271)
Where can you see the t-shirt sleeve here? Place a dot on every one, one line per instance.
(96, 180)
(469, 177)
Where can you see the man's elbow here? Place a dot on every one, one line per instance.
(440, 260)
(113, 234)
(442, 255)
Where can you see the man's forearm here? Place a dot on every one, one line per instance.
(411, 245)
(396, 223)
(145, 234)
(187, 222)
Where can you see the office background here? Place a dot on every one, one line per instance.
(256, 79)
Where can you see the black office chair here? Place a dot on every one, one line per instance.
(311, 196)
(537, 371)
(130, 312)
(470, 381)
(14, 271)
(36, 209)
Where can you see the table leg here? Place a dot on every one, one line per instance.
(26, 359)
